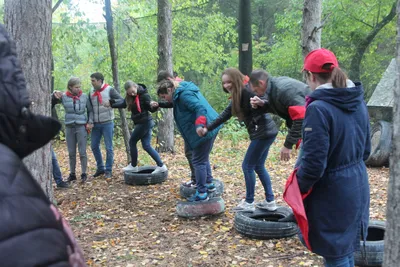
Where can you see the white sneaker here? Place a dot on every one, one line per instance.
(244, 206)
(130, 168)
(265, 205)
(158, 169)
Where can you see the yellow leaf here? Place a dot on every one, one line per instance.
(259, 244)
(202, 252)
(225, 229)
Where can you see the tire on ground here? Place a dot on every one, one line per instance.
(145, 176)
(263, 224)
(374, 246)
(381, 140)
(214, 206)
(189, 191)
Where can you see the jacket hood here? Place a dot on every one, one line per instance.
(185, 86)
(141, 89)
(347, 99)
(20, 129)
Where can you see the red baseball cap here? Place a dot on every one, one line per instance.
(316, 59)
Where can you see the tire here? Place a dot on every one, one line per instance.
(373, 246)
(214, 206)
(144, 176)
(189, 191)
(381, 141)
(263, 224)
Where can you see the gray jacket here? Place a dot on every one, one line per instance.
(79, 112)
(102, 114)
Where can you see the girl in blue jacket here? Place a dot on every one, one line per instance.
(191, 114)
(332, 172)
(262, 132)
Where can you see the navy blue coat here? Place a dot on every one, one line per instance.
(336, 141)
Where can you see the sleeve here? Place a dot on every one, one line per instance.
(315, 148)
(119, 103)
(192, 102)
(367, 149)
(54, 101)
(165, 104)
(296, 109)
(89, 109)
(115, 95)
(223, 117)
(146, 100)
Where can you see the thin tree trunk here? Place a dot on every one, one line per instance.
(114, 66)
(311, 28)
(391, 256)
(245, 37)
(165, 137)
(362, 45)
(29, 24)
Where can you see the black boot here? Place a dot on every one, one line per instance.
(72, 177)
(98, 173)
(83, 177)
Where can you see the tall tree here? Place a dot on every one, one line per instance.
(165, 137)
(29, 23)
(311, 28)
(391, 256)
(245, 37)
(362, 42)
(114, 67)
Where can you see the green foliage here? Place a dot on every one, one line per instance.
(234, 131)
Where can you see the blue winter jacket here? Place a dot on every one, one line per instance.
(191, 110)
(336, 141)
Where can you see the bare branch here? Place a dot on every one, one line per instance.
(56, 6)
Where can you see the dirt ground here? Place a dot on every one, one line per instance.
(121, 225)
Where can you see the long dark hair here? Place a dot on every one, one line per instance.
(130, 100)
(237, 79)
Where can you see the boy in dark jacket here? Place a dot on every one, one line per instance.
(32, 232)
(285, 97)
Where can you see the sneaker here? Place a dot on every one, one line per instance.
(265, 205)
(71, 177)
(190, 183)
(158, 169)
(244, 206)
(210, 187)
(108, 175)
(83, 177)
(62, 185)
(201, 197)
(98, 173)
(130, 168)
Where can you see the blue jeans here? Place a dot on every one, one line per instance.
(142, 132)
(56, 168)
(347, 261)
(99, 130)
(201, 164)
(254, 161)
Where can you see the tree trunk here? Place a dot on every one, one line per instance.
(29, 24)
(391, 256)
(362, 45)
(114, 67)
(165, 137)
(311, 28)
(245, 37)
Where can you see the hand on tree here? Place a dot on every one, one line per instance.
(285, 153)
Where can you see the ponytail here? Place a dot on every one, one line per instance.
(339, 78)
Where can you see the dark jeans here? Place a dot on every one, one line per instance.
(56, 168)
(142, 132)
(201, 164)
(99, 130)
(254, 162)
(347, 261)
(188, 155)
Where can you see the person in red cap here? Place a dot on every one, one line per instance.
(332, 177)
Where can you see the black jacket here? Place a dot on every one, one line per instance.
(286, 97)
(259, 124)
(144, 101)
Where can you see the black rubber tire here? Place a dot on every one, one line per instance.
(144, 176)
(263, 224)
(214, 206)
(373, 246)
(381, 141)
(189, 191)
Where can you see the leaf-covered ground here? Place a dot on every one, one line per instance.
(121, 225)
